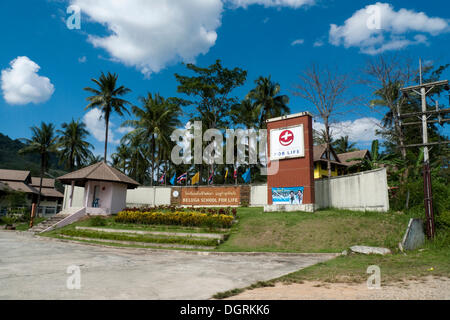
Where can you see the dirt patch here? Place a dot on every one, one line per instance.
(428, 288)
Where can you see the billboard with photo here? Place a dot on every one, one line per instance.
(290, 195)
(287, 143)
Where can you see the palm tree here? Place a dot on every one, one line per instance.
(121, 157)
(43, 142)
(267, 101)
(106, 97)
(74, 149)
(342, 145)
(157, 118)
(93, 159)
(245, 113)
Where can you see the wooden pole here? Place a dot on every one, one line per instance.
(33, 213)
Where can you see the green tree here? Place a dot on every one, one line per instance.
(212, 87)
(267, 100)
(342, 145)
(43, 142)
(154, 123)
(74, 150)
(106, 98)
(93, 159)
(121, 157)
(245, 113)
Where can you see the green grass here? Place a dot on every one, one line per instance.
(319, 232)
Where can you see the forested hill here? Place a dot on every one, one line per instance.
(11, 159)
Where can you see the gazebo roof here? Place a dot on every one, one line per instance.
(98, 172)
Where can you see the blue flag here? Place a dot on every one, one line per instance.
(172, 181)
(246, 176)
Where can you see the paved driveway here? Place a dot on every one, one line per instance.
(36, 268)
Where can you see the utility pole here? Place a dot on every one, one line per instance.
(423, 89)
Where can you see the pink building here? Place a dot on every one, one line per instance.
(105, 188)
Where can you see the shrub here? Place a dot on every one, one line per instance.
(180, 218)
(443, 220)
(9, 220)
(225, 211)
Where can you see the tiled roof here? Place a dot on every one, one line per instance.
(50, 192)
(98, 172)
(14, 175)
(319, 150)
(359, 154)
(20, 186)
(46, 182)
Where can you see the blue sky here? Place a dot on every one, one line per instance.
(149, 41)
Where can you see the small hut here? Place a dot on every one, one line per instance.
(105, 188)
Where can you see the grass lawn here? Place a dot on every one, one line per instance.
(322, 231)
(334, 231)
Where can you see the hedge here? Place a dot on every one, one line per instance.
(179, 218)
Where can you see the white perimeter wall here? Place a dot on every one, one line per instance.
(78, 197)
(365, 191)
(258, 196)
(148, 196)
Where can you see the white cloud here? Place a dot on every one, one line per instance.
(21, 83)
(378, 28)
(150, 35)
(124, 130)
(318, 43)
(361, 130)
(272, 3)
(97, 127)
(82, 59)
(297, 42)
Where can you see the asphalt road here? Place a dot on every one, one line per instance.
(35, 268)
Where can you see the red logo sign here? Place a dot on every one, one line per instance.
(286, 138)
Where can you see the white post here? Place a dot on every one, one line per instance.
(72, 187)
(88, 190)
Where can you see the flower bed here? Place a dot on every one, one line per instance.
(226, 211)
(179, 218)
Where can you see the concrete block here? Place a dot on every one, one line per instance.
(370, 250)
(414, 236)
